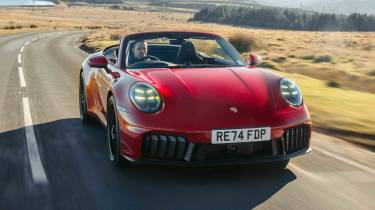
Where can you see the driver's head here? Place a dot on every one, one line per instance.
(140, 49)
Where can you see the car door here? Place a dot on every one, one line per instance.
(105, 79)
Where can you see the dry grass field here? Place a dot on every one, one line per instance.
(336, 70)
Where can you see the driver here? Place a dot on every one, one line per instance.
(139, 50)
(139, 53)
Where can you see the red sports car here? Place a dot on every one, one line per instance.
(189, 98)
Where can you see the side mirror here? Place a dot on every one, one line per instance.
(254, 60)
(98, 62)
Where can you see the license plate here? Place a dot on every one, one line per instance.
(240, 135)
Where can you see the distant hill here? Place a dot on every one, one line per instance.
(345, 6)
(95, 1)
(282, 18)
(336, 6)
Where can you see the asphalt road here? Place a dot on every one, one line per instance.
(72, 170)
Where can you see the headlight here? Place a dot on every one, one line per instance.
(291, 92)
(145, 97)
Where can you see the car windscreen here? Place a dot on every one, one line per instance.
(181, 52)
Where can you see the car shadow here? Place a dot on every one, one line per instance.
(81, 177)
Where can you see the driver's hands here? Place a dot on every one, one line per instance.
(149, 58)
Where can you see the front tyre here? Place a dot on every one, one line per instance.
(85, 117)
(113, 140)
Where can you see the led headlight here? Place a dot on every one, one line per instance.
(145, 97)
(291, 92)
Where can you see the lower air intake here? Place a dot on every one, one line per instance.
(295, 139)
(157, 146)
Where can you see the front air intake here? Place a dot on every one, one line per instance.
(295, 139)
(157, 146)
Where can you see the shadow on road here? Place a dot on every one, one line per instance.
(80, 176)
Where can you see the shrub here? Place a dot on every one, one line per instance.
(94, 27)
(333, 84)
(323, 58)
(128, 8)
(115, 7)
(368, 47)
(242, 42)
(308, 57)
(33, 26)
(279, 59)
(371, 73)
(268, 65)
(11, 27)
(114, 37)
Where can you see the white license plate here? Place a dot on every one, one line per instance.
(240, 135)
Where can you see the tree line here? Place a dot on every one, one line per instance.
(94, 1)
(281, 18)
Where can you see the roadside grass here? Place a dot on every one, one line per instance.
(346, 113)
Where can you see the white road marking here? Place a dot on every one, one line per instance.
(19, 58)
(22, 77)
(304, 172)
(335, 176)
(346, 160)
(37, 170)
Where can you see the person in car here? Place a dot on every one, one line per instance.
(139, 53)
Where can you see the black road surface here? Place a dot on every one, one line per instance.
(336, 175)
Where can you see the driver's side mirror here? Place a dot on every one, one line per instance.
(254, 60)
(98, 62)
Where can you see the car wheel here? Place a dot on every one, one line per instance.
(85, 117)
(113, 140)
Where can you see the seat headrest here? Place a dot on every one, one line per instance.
(188, 47)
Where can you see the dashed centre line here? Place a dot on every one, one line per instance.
(19, 59)
(22, 77)
(37, 170)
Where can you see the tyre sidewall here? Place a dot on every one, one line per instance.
(116, 154)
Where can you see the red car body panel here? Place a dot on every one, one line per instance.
(195, 102)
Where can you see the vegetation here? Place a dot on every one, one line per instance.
(242, 42)
(323, 58)
(346, 113)
(98, 1)
(280, 18)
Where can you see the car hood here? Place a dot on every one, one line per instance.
(209, 98)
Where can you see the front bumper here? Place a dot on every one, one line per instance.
(245, 161)
(173, 147)
(162, 149)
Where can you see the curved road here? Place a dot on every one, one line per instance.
(50, 160)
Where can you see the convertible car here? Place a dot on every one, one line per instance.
(189, 98)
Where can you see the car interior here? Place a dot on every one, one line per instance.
(174, 53)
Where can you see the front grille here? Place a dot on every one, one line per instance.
(164, 147)
(177, 148)
(295, 139)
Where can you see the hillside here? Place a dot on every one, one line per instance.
(95, 1)
(335, 6)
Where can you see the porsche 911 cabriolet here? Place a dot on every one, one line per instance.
(190, 98)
